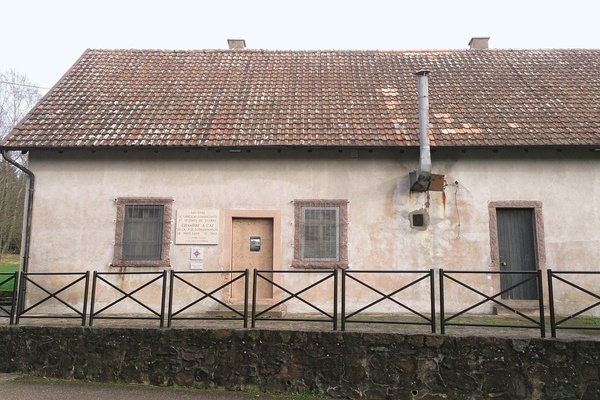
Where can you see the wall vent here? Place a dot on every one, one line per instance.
(418, 220)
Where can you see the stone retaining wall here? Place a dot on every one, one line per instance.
(353, 365)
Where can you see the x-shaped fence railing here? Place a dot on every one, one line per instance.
(203, 294)
(400, 307)
(295, 294)
(99, 278)
(562, 323)
(8, 310)
(531, 275)
(68, 293)
(31, 281)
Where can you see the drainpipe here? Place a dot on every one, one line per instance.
(28, 211)
(421, 179)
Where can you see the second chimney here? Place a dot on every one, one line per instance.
(479, 43)
(236, 44)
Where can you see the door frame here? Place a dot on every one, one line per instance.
(226, 254)
(539, 241)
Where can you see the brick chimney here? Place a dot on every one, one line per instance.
(479, 43)
(236, 44)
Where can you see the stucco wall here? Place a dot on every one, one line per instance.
(74, 209)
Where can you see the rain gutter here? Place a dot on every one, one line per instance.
(28, 211)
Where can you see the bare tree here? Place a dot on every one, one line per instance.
(17, 96)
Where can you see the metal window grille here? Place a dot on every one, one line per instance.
(321, 233)
(142, 232)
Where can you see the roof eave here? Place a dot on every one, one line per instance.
(590, 146)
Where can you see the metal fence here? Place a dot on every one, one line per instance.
(114, 294)
(8, 300)
(399, 311)
(202, 293)
(191, 293)
(447, 277)
(297, 293)
(561, 320)
(50, 289)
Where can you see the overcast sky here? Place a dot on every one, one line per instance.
(43, 38)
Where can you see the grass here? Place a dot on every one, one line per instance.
(9, 259)
(9, 263)
(590, 321)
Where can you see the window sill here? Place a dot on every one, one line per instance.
(141, 263)
(301, 264)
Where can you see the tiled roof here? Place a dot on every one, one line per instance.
(318, 98)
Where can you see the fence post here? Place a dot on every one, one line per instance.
(85, 296)
(255, 275)
(335, 298)
(163, 298)
(551, 304)
(541, 303)
(246, 283)
(20, 296)
(13, 300)
(93, 300)
(343, 305)
(442, 318)
(432, 291)
(170, 307)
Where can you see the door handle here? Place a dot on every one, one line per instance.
(503, 264)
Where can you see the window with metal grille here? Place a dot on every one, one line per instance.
(143, 232)
(320, 234)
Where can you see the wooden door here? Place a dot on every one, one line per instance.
(252, 248)
(517, 251)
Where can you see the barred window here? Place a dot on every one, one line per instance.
(143, 232)
(320, 234)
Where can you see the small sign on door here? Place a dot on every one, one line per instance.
(254, 243)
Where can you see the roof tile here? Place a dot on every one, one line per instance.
(318, 98)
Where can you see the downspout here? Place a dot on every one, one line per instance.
(421, 179)
(29, 211)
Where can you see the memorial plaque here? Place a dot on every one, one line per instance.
(197, 227)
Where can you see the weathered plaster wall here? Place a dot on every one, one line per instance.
(74, 208)
(349, 365)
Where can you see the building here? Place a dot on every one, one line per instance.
(222, 160)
